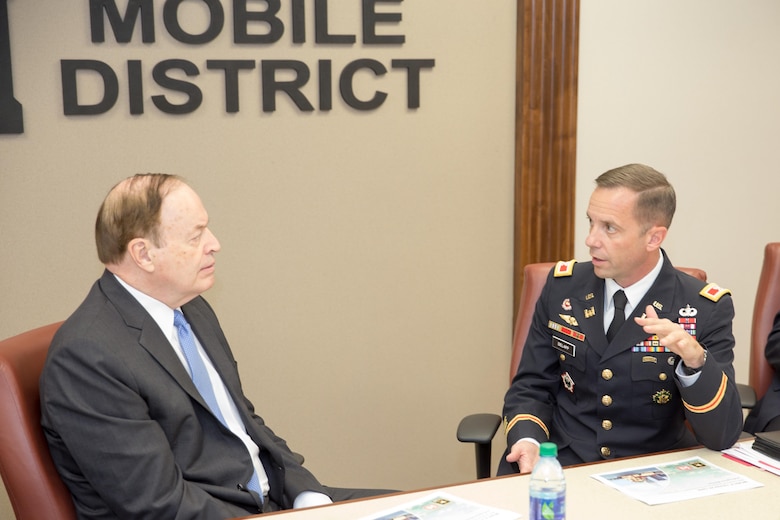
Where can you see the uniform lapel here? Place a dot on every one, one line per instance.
(588, 307)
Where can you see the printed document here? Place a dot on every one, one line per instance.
(676, 481)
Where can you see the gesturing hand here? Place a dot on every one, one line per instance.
(672, 336)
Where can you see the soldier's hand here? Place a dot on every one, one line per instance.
(525, 453)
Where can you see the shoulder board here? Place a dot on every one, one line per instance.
(713, 292)
(564, 268)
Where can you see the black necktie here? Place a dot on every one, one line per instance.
(620, 314)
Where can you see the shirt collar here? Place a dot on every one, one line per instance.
(635, 292)
(160, 313)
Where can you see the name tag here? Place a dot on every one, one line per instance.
(564, 346)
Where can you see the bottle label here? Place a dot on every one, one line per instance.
(548, 508)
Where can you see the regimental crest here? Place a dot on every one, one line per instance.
(662, 396)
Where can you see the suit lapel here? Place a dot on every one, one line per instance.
(214, 348)
(150, 337)
(213, 342)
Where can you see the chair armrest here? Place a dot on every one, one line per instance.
(479, 428)
(747, 395)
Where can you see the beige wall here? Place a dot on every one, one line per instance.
(365, 274)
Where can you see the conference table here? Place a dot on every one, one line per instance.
(586, 497)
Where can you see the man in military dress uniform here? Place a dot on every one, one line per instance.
(603, 384)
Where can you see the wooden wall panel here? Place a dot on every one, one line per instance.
(546, 132)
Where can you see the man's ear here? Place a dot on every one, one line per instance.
(655, 237)
(140, 251)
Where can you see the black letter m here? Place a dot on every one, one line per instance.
(123, 28)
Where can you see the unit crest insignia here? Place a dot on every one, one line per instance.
(662, 396)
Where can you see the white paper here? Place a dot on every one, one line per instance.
(675, 481)
(443, 506)
(743, 451)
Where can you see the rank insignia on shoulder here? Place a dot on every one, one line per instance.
(713, 292)
(564, 268)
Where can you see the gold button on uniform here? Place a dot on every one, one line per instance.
(606, 374)
(605, 452)
(606, 424)
(662, 376)
(606, 400)
(563, 357)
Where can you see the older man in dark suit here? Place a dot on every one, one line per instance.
(141, 400)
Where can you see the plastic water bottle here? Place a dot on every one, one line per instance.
(548, 486)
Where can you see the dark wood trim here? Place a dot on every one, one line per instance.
(546, 132)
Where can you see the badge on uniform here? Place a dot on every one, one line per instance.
(568, 382)
(570, 320)
(662, 396)
(687, 319)
(566, 330)
(651, 344)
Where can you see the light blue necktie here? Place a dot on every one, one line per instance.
(200, 377)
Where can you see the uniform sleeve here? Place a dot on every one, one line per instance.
(712, 404)
(529, 402)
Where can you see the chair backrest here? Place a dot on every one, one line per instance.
(31, 480)
(766, 307)
(534, 278)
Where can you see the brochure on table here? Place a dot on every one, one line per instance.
(675, 481)
(442, 506)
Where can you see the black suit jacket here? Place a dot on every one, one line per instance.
(603, 399)
(128, 431)
(769, 406)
